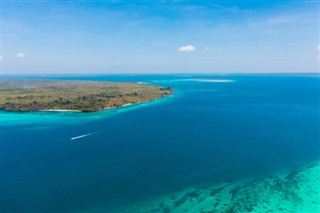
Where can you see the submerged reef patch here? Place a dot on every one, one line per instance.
(298, 191)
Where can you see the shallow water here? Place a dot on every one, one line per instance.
(214, 128)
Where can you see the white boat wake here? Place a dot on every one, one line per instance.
(92, 133)
(81, 136)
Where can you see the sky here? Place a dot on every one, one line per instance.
(144, 36)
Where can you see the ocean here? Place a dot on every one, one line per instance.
(214, 129)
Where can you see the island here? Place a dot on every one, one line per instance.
(74, 95)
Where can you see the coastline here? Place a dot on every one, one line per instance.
(153, 101)
(71, 110)
(58, 116)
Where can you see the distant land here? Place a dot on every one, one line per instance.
(84, 96)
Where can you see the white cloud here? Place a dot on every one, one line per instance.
(318, 47)
(20, 55)
(268, 48)
(1, 58)
(206, 48)
(188, 48)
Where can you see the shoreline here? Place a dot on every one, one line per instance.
(58, 110)
(71, 110)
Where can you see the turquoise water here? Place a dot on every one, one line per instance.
(209, 130)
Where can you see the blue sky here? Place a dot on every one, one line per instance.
(145, 36)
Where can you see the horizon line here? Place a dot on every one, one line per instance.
(186, 73)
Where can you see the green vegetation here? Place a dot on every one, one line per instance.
(84, 96)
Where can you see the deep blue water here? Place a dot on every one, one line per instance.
(208, 131)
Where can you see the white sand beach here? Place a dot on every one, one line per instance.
(59, 110)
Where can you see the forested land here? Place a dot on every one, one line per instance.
(84, 96)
